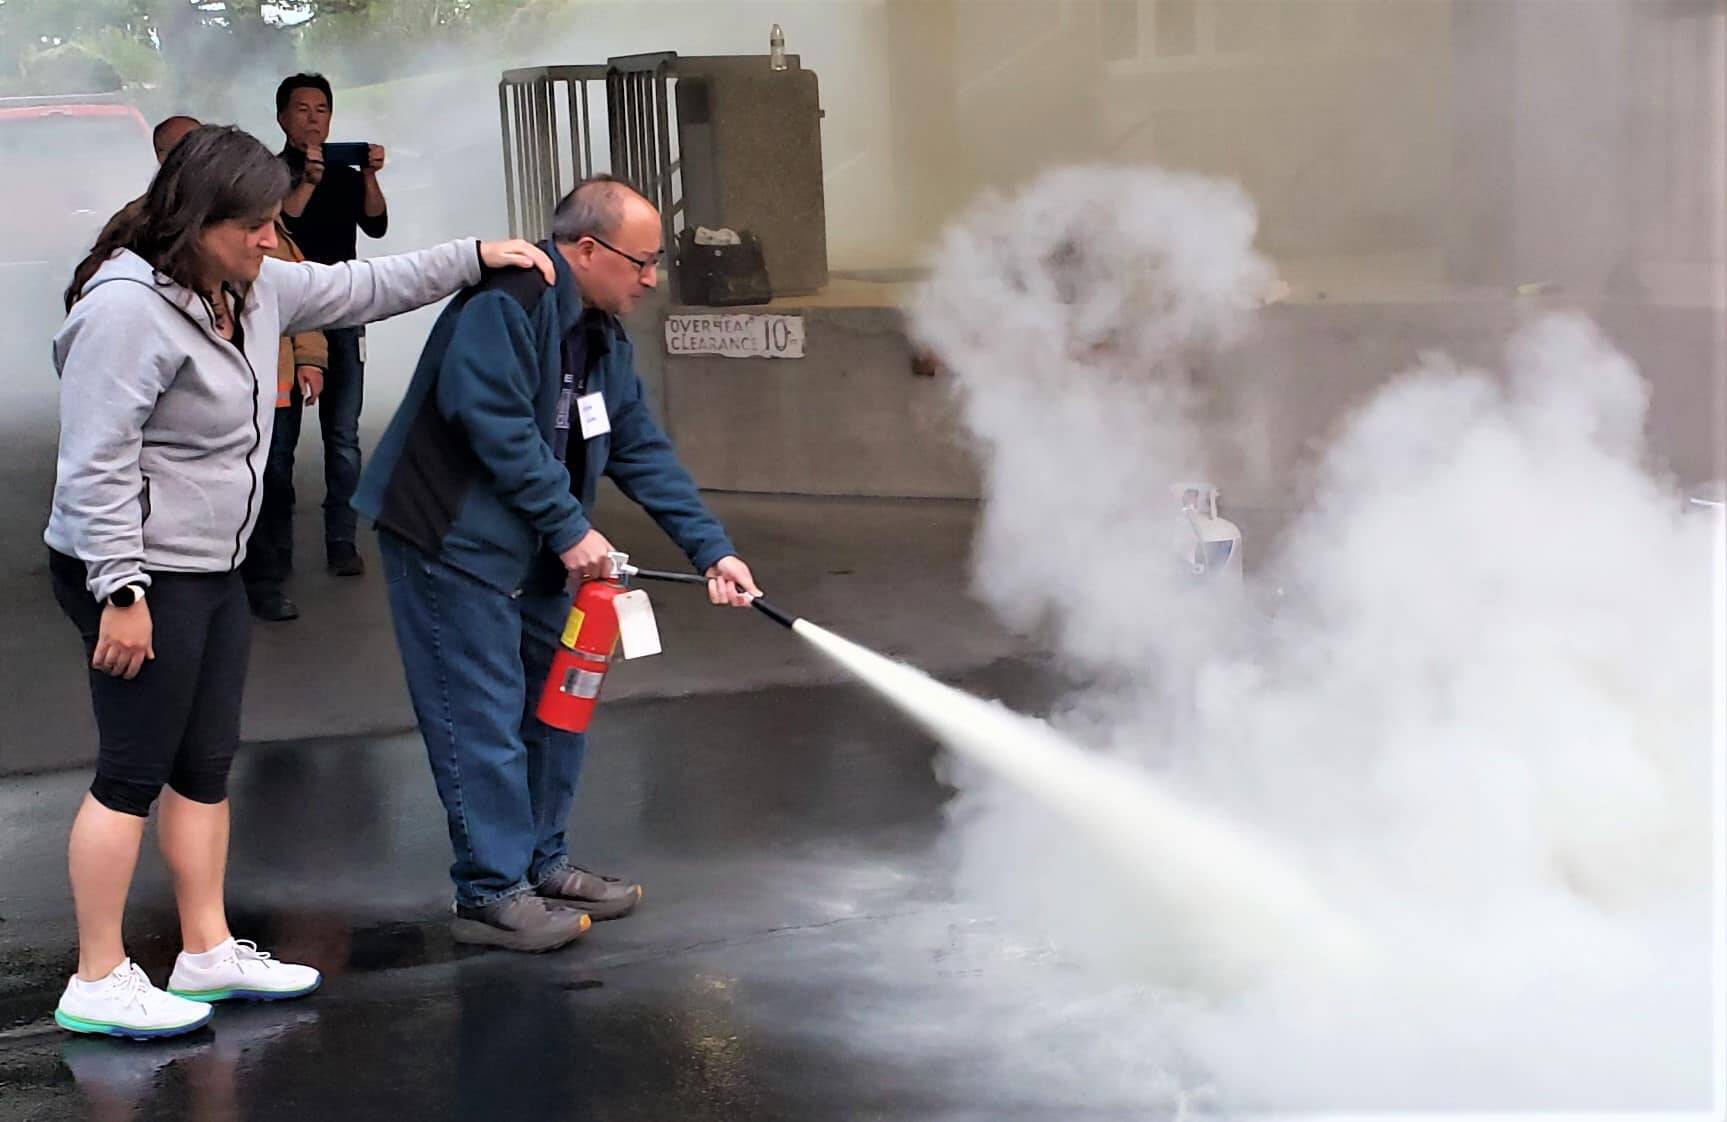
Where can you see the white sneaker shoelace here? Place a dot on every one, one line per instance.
(133, 989)
(246, 952)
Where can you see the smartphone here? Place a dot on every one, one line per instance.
(352, 153)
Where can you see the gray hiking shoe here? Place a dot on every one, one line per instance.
(519, 923)
(596, 894)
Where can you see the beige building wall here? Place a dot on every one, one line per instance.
(982, 95)
(1676, 189)
(1332, 113)
(1416, 163)
(1393, 146)
(1591, 142)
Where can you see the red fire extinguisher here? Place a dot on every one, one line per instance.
(579, 667)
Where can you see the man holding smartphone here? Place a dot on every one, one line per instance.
(329, 202)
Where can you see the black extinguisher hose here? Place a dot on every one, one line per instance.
(784, 619)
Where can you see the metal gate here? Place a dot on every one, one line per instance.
(551, 118)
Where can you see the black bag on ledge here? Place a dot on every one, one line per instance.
(722, 276)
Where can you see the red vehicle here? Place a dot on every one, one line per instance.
(69, 163)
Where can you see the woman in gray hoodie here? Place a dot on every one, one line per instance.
(167, 367)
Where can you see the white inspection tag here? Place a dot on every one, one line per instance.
(591, 409)
(638, 634)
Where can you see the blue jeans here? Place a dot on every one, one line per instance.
(339, 419)
(270, 551)
(475, 659)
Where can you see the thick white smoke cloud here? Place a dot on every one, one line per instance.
(1071, 314)
(1479, 719)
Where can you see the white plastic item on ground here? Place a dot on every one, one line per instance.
(1209, 546)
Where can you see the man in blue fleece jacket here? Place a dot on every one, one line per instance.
(523, 397)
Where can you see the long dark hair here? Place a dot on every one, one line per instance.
(216, 173)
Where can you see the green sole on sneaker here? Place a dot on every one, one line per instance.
(104, 1028)
(234, 994)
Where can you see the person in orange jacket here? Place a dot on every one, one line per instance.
(300, 365)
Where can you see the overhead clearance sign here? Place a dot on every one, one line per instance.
(735, 336)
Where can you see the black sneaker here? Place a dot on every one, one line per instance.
(600, 896)
(274, 606)
(519, 923)
(344, 560)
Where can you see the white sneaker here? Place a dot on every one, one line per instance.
(237, 969)
(126, 1004)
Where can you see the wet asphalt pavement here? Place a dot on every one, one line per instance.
(799, 953)
(797, 917)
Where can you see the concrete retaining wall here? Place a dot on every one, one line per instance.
(852, 418)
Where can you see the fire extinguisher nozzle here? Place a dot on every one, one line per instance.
(773, 613)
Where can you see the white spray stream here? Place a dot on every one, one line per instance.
(1209, 890)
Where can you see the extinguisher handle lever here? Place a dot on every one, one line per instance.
(662, 575)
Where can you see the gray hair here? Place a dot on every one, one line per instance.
(593, 209)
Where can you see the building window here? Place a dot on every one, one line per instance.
(1184, 30)
(1175, 28)
(1119, 25)
(1240, 25)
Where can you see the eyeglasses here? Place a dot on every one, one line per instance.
(642, 265)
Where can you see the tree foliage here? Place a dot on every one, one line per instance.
(213, 39)
(418, 22)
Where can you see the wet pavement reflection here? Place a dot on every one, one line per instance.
(782, 834)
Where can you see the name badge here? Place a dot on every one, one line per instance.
(591, 411)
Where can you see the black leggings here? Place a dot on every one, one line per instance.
(178, 721)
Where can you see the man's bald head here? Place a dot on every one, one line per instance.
(596, 208)
(611, 238)
(169, 133)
